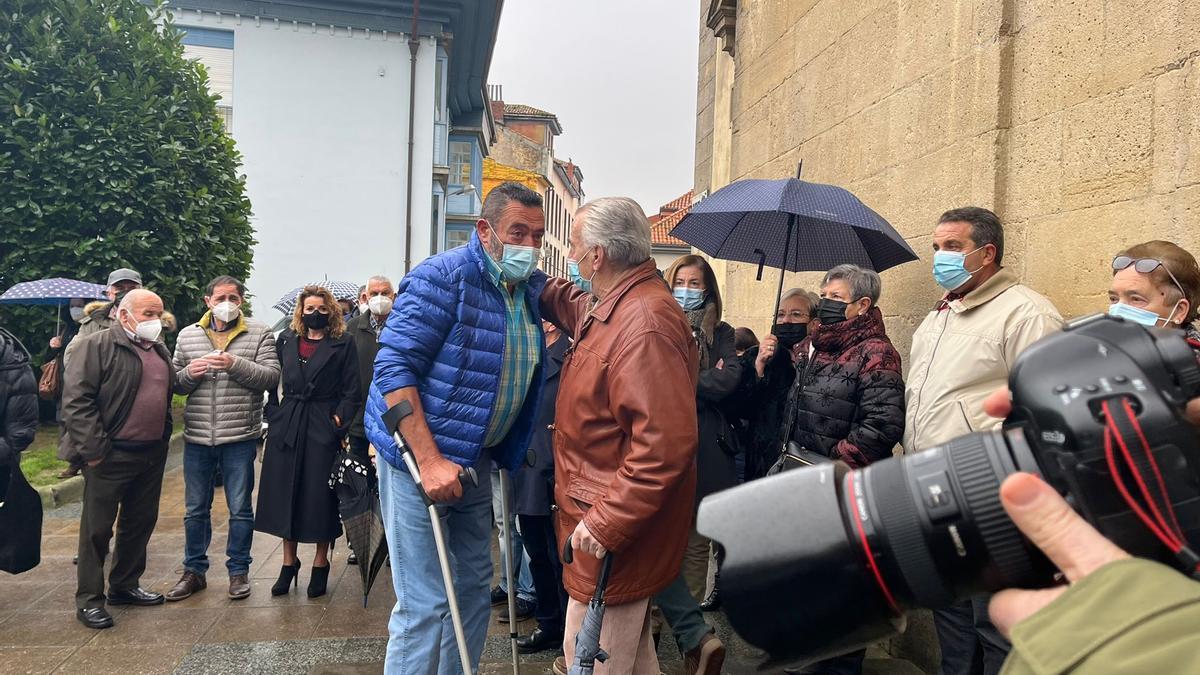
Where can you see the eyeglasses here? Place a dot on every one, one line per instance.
(1144, 266)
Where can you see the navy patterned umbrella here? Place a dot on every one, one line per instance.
(51, 292)
(792, 225)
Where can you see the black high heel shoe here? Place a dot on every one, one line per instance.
(318, 581)
(288, 574)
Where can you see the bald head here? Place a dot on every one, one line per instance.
(139, 305)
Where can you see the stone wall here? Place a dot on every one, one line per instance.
(1074, 121)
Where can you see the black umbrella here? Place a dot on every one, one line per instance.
(794, 226)
(354, 483)
(587, 640)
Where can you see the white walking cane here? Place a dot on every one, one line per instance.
(506, 532)
(391, 420)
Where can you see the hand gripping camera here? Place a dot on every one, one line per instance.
(823, 560)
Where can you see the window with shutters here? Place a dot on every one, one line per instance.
(461, 153)
(214, 50)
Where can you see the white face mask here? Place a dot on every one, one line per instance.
(226, 311)
(380, 305)
(363, 307)
(148, 330)
(76, 313)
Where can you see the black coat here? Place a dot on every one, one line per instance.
(21, 518)
(715, 466)
(533, 485)
(849, 400)
(366, 346)
(756, 410)
(18, 400)
(294, 498)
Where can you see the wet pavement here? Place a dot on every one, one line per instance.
(209, 633)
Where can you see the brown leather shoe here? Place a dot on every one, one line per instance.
(707, 658)
(239, 586)
(189, 583)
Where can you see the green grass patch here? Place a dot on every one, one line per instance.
(40, 462)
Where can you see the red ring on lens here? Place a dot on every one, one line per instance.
(866, 544)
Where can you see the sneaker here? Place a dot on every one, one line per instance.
(706, 659)
(524, 610)
(499, 597)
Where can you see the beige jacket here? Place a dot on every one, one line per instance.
(226, 407)
(962, 354)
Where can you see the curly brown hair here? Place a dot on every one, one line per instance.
(337, 327)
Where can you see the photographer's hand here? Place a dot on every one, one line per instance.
(1074, 546)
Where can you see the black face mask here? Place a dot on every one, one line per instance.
(790, 334)
(316, 320)
(831, 311)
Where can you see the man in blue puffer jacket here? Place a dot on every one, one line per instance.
(463, 344)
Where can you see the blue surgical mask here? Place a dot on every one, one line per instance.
(516, 262)
(1137, 314)
(950, 270)
(688, 298)
(573, 274)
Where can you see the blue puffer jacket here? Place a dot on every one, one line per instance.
(445, 336)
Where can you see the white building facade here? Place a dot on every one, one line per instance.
(317, 96)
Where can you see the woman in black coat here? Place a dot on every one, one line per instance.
(767, 375)
(695, 288)
(306, 430)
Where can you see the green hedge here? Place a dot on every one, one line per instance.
(111, 155)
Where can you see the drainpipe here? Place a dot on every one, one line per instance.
(414, 44)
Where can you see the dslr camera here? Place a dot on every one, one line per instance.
(823, 560)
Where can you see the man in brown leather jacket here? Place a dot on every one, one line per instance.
(625, 429)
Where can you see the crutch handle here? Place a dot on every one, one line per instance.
(395, 415)
(468, 477)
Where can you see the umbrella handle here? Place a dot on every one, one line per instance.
(568, 557)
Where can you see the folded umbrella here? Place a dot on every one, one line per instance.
(792, 225)
(342, 290)
(354, 483)
(587, 640)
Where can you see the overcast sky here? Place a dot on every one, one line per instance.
(621, 76)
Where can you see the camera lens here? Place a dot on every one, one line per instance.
(854, 550)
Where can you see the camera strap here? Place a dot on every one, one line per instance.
(1130, 457)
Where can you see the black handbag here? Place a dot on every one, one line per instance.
(20, 522)
(796, 457)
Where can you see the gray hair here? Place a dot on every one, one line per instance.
(377, 279)
(864, 283)
(619, 226)
(809, 297)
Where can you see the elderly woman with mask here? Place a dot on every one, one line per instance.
(1156, 283)
(756, 408)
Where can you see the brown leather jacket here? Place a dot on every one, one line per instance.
(625, 432)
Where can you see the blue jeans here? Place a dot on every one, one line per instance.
(421, 636)
(525, 589)
(200, 465)
(683, 615)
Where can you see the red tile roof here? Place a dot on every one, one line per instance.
(684, 201)
(667, 218)
(526, 110)
(660, 231)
